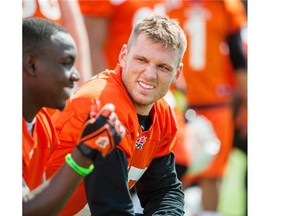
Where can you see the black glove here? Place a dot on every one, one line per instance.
(101, 133)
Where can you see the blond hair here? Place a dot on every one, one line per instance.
(161, 29)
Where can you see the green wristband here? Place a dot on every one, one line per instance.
(80, 170)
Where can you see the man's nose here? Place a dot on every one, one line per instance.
(75, 76)
(151, 71)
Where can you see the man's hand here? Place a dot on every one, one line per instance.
(101, 132)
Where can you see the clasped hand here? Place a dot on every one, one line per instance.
(101, 132)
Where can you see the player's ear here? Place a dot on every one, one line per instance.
(29, 64)
(179, 72)
(122, 55)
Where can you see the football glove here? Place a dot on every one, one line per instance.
(101, 132)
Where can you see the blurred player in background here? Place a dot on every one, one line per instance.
(233, 194)
(214, 68)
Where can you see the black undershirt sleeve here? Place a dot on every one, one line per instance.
(106, 187)
(159, 189)
(237, 54)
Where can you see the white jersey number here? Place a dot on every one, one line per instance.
(195, 27)
(49, 8)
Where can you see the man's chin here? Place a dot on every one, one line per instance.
(61, 106)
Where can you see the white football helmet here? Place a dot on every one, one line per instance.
(201, 140)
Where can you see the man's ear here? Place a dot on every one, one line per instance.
(29, 64)
(122, 55)
(179, 72)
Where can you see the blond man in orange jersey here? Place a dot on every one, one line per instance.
(148, 65)
(109, 24)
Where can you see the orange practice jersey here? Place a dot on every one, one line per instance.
(139, 147)
(207, 68)
(36, 149)
(122, 15)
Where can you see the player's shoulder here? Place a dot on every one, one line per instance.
(163, 109)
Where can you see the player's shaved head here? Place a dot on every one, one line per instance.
(35, 31)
